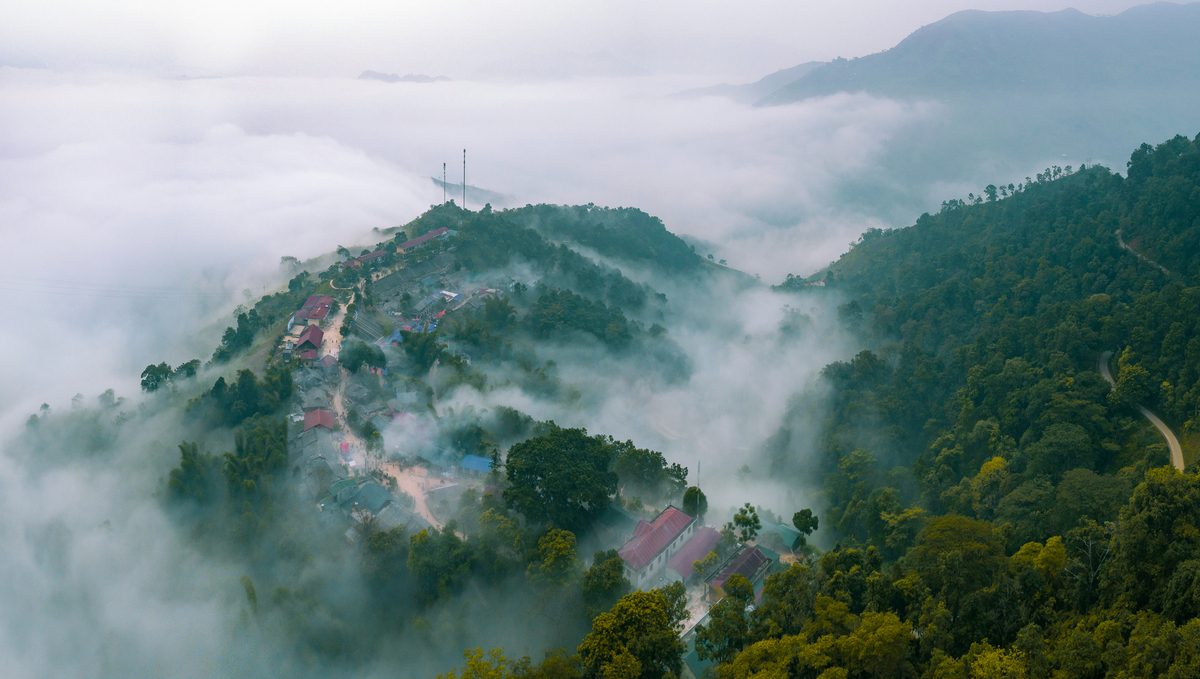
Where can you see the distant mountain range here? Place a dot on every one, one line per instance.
(1149, 46)
(393, 78)
(1156, 45)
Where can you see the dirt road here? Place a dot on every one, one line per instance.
(1172, 442)
(414, 481)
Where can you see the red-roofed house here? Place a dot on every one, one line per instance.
(310, 339)
(421, 240)
(318, 418)
(350, 264)
(653, 543)
(315, 308)
(704, 541)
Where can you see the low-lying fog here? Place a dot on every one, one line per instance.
(138, 210)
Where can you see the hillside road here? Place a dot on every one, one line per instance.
(1172, 442)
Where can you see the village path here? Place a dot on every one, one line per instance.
(1172, 442)
(1144, 258)
(414, 481)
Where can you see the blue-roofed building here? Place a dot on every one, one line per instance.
(474, 465)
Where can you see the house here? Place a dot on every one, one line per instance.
(318, 418)
(408, 246)
(309, 355)
(751, 562)
(372, 256)
(370, 496)
(349, 264)
(474, 465)
(328, 361)
(791, 538)
(314, 309)
(393, 516)
(701, 543)
(311, 338)
(343, 490)
(653, 544)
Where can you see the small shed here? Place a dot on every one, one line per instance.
(474, 465)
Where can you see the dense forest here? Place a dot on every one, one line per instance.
(1002, 511)
(991, 506)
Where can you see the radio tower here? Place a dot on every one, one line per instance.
(443, 183)
(464, 205)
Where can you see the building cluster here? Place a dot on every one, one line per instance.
(664, 550)
(304, 334)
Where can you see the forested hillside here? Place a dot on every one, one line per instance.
(1001, 511)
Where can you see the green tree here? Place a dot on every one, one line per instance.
(562, 478)
(557, 560)
(787, 604)
(747, 522)
(638, 625)
(675, 594)
(356, 353)
(956, 556)
(198, 475)
(805, 521)
(422, 349)
(1156, 536)
(440, 562)
(604, 583)
(155, 376)
(695, 503)
(728, 630)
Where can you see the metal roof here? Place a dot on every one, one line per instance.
(421, 239)
(321, 418)
(476, 463)
(746, 564)
(693, 550)
(652, 538)
(312, 335)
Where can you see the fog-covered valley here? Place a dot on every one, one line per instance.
(153, 192)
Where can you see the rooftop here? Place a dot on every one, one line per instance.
(651, 538)
(748, 562)
(421, 239)
(313, 335)
(694, 549)
(318, 418)
(373, 255)
(476, 463)
(317, 300)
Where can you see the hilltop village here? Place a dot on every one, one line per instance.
(372, 460)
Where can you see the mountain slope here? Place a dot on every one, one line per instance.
(1026, 51)
(752, 92)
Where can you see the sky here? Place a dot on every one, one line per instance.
(710, 39)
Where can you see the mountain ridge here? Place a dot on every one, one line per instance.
(974, 50)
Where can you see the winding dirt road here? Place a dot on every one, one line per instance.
(1172, 442)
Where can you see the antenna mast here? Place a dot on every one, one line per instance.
(464, 179)
(443, 183)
